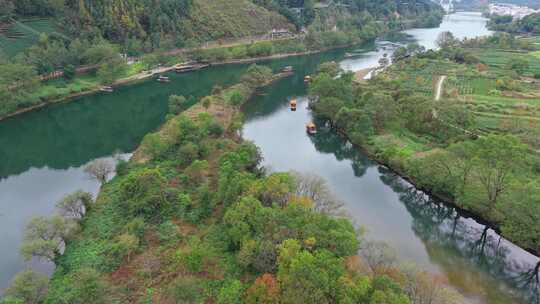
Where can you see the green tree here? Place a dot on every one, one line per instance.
(99, 53)
(29, 287)
(207, 102)
(17, 83)
(307, 277)
(69, 72)
(497, 158)
(111, 70)
(331, 68)
(236, 98)
(231, 293)
(143, 193)
(523, 215)
(176, 104)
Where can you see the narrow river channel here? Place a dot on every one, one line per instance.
(42, 155)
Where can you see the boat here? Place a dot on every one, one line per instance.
(107, 89)
(307, 79)
(163, 79)
(293, 105)
(287, 69)
(311, 128)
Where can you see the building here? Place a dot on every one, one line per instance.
(516, 11)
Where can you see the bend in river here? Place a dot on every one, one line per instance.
(43, 154)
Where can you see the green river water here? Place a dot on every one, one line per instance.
(42, 155)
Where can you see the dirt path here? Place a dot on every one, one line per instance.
(438, 91)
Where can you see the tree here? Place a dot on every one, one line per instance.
(143, 193)
(99, 53)
(75, 205)
(445, 40)
(316, 189)
(231, 293)
(111, 70)
(29, 287)
(100, 169)
(125, 245)
(69, 72)
(424, 287)
(523, 216)
(265, 290)
(236, 98)
(17, 83)
(256, 75)
(331, 68)
(46, 237)
(379, 256)
(307, 277)
(176, 104)
(400, 53)
(497, 158)
(207, 101)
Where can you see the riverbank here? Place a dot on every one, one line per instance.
(420, 130)
(370, 151)
(144, 75)
(215, 53)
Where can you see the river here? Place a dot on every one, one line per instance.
(44, 152)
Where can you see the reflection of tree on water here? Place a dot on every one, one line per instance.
(444, 230)
(326, 141)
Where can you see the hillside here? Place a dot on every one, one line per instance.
(154, 26)
(143, 25)
(216, 19)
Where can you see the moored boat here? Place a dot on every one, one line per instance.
(293, 105)
(163, 79)
(287, 69)
(107, 89)
(311, 128)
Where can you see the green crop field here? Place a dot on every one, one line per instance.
(497, 60)
(24, 33)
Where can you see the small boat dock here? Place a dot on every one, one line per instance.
(188, 67)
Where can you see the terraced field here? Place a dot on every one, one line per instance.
(496, 109)
(21, 34)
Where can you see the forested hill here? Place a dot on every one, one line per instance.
(181, 21)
